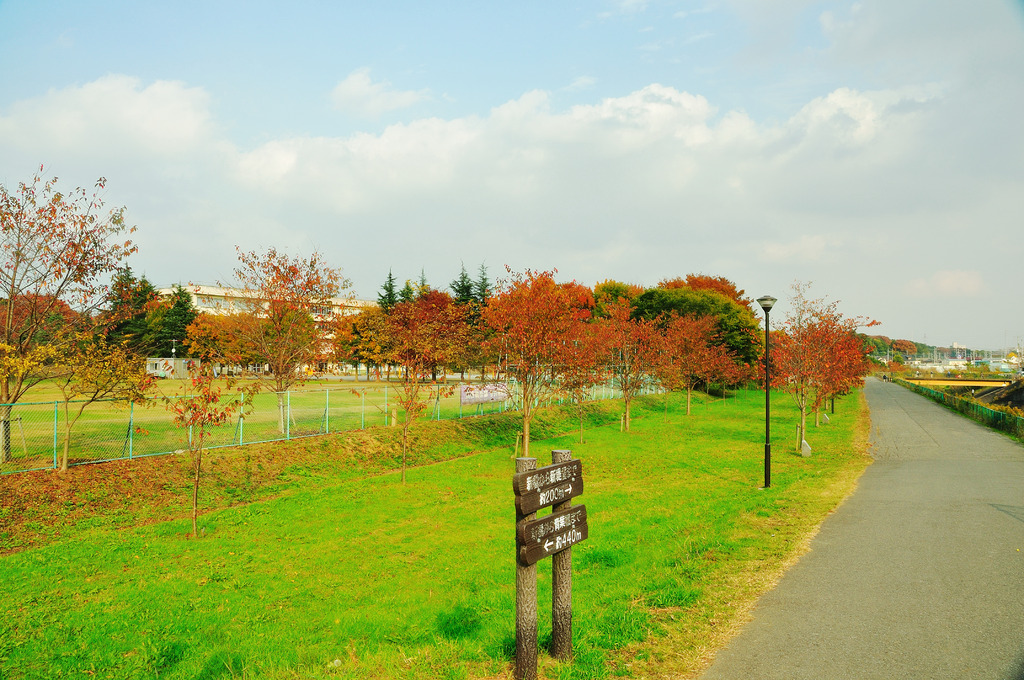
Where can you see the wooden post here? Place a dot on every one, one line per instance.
(526, 601)
(561, 584)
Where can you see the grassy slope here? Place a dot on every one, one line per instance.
(416, 580)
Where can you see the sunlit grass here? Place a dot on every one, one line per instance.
(370, 578)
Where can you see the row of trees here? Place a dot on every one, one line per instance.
(544, 338)
(817, 354)
(61, 321)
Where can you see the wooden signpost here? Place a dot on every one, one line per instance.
(552, 535)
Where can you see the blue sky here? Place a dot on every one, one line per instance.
(873, 148)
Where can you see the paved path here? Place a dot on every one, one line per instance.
(919, 574)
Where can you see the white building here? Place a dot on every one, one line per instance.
(224, 300)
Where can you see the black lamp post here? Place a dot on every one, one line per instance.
(767, 302)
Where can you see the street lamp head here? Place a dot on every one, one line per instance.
(766, 302)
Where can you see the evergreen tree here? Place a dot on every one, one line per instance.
(482, 286)
(422, 288)
(462, 288)
(130, 301)
(388, 297)
(170, 327)
(407, 294)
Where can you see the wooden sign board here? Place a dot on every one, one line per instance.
(537, 530)
(545, 496)
(538, 489)
(554, 533)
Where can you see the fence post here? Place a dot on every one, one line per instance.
(288, 414)
(241, 421)
(362, 411)
(327, 410)
(131, 429)
(55, 435)
(386, 411)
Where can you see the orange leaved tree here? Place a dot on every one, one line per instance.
(816, 353)
(423, 334)
(692, 354)
(279, 320)
(56, 251)
(634, 349)
(199, 407)
(534, 320)
(583, 366)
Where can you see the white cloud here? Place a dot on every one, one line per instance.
(947, 283)
(114, 111)
(581, 83)
(651, 184)
(359, 95)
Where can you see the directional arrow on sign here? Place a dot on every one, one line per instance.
(536, 531)
(565, 538)
(543, 497)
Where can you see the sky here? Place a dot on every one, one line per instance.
(873, 149)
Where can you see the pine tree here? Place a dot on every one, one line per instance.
(129, 300)
(422, 288)
(462, 288)
(407, 294)
(388, 297)
(170, 331)
(482, 286)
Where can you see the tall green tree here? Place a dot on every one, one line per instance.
(170, 321)
(131, 303)
(482, 286)
(388, 296)
(737, 328)
(462, 288)
(408, 293)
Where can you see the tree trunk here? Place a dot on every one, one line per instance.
(280, 412)
(802, 432)
(195, 492)
(689, 391)
(405, 445)
(526, 437)
(625, 421)
(67, 443)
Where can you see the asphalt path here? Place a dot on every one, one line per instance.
(919, 574)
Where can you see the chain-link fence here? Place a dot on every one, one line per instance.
(34, 435)
(999, 420)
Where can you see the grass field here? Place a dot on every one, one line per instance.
(109, 431)
(343, 575)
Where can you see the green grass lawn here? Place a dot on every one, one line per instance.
(368, 578)
(111, 431)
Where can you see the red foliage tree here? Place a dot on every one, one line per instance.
(693, 355)
(279, 319)
(200, 407)
(633, 351)
(534, 320)
(904, 347)
(583, 367)
(717, 284)
(425, 333)
(815, 354)
(56, 251)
